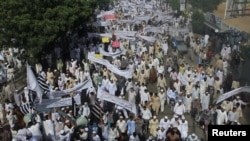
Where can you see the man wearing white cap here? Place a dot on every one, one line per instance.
(162, 96)
(95, 137)
(121, 125)
(84, 110)
(239, 103)
(222, 117)
(188, 103)
(153, 125)
(84, 134)
(165, 123)
(161, 134)
(183, 128)
(193, 137)
(179, 108)
(205, 101)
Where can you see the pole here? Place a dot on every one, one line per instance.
(225, 14)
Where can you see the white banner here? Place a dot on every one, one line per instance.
(114, 69)
(147, 38)
(63, 102)
(103, 95)
(103, 13)
(154, 29)
(232, 93)
(84, 85)
(113, 54)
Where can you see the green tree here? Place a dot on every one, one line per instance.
(36, 24)
(197, 22)
(205, 5)
(175, 4)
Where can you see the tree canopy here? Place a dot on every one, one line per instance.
(205, 5)
(34, 24)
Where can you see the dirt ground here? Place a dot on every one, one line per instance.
(241, 23)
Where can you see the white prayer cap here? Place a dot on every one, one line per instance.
(166, 117)
(86, 129)
(162, 90)
(62, 132)
(121, 116)
(183, 118)
(25, 88)
(94, 132)
(154, 117)
(238, 97)
(176, 116)
(193, 134)
(180, 100)
(70, 111)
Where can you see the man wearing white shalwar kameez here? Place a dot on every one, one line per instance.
(179, 108)
(222, 117)
(205, 100)
(184, 128)
(48, 127)
(188, 102)
(164, 123)
(121, 125)
(161, 134)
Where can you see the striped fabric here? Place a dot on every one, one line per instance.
(42, 83)
(26, 107)
(97, 111)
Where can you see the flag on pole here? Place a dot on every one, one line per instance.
(33, 84)
(42, 83)
(74, 107)
(97, 111)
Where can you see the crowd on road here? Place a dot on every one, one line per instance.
(189, 87)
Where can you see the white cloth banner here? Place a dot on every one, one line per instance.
(84, 85)
(147, 38)
(33, 84)
(125, 33)
(103, 95)
(64, 102)
(154, 29)
(115, 54)
(114, 69)
(232, 93)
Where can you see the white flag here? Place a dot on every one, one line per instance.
(33, 83)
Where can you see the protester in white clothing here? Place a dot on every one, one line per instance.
(113, 134)
(188, 103)
(164, 122)
(179, 108)
(84, 110)
(184, 128)
(35, 131)
(205, 101)
(121, 125)
(161, 134)
(233, 115)
(222, 117)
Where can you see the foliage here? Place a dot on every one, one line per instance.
(205, 5)
(175, 4)
(197, 22)
(38, 23)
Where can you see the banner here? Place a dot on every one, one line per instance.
(113, 54)
(51, 103)
(154, 29)
(103, 95)
(232, 93)
(33, 84)
(84, 85)
(147, 38)
(114, 69)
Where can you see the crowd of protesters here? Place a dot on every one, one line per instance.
(183, 86)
